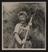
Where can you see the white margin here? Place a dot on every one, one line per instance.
(23, 48)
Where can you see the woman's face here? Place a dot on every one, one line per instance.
(22, 18)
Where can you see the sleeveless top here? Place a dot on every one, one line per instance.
(22, 33)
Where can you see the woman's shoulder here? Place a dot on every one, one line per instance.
(18, 24)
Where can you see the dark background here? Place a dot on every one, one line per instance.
(1, 23)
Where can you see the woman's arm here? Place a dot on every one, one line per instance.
(18, 38)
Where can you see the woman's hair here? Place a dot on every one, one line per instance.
(23, 13)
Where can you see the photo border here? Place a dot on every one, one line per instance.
(24, 48)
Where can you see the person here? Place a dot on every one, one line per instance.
(20, 31)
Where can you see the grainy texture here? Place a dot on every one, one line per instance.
(10, 19)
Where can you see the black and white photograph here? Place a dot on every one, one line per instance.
(23, 25)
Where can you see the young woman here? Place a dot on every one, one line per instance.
(20, 31)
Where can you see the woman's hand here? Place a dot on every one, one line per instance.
(23, 41)
(27, 28)
(30, 24)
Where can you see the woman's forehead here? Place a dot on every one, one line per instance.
(22, 16)
(22, 13)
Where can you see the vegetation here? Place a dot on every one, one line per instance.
(10, 19)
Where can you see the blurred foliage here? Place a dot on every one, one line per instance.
(10, 19)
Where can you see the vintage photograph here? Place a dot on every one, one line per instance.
(23, 25)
